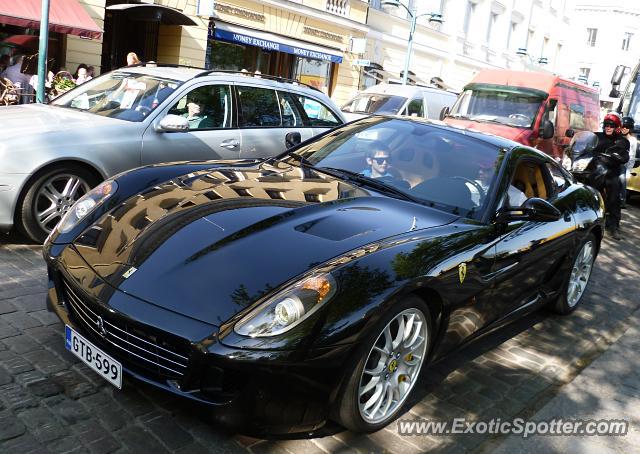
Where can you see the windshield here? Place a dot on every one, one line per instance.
(375, 104)
(437, 167)
(504, 105)
(120, 95)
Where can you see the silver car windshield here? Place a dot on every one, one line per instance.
(375, 104)
(122, 95)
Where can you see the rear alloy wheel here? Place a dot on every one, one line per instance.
(50, 196)
(388, 368)
(578, 277)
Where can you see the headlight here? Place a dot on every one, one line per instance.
(581, 164)
(288, 308)
(86, 204)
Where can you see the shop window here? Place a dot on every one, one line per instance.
(316, 73)
(318, 113)
(291, 116)
(258, 107)
(207, 107)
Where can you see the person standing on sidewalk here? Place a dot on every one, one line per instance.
(627, 127)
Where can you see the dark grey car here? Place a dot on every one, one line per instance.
(52, 154)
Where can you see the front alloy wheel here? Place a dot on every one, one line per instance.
(386, 367)
(392, 367)
(52, 193)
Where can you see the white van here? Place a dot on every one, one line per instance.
(396, 99)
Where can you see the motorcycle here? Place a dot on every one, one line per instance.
(584, 164)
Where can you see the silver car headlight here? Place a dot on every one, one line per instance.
(86, 204)
(288, 307)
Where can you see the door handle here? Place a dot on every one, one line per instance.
(230, 143)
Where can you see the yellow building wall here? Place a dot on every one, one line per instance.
(87, 51)
(187, 45)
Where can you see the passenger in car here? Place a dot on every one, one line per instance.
(378, 161)
(196, 116)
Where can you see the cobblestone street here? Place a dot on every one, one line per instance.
(50, 402)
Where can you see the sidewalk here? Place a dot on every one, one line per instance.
(609, 388)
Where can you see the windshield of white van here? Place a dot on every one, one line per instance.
(508, 106)
(375, 104)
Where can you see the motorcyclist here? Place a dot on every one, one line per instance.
(613, 151)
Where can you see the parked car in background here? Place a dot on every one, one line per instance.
(290, 290)
(53, 154)
(537, 109)
(396, 99)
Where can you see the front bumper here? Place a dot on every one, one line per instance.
(10, 185)
(265, 390)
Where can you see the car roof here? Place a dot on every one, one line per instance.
(403, 90)
(183, 74)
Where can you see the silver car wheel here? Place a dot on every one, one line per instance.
(392, 366)
(55, 197)
(580, 273)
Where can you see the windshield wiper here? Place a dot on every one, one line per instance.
(367, 181)
(459, 116)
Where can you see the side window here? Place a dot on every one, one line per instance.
(550, 113)
(291, 116)
(576, 117)
(318, 113)
(558, 180)
(258, 107)
(416, 107)
(529, 180)
(207, 107)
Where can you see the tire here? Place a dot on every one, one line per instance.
(578, 277)
(398, 374)
(49, 195)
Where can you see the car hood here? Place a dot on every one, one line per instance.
(207, 245)
(508, 132)
(28, 119)
(351, 116)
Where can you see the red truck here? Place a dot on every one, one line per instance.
(536, 109)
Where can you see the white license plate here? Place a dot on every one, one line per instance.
(92, 356)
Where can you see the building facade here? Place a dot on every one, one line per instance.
(305, 39)
(475, 34)
(607, 34)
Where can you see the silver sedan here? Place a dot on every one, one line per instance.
(51, 155)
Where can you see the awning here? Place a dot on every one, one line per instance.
(158, 13)
(65, 16)
(270, 41)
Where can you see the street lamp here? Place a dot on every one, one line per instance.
(522, 52)
(435, 18)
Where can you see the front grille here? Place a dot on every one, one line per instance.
(131, 344)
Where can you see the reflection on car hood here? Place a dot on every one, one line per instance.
(207, 245)
(28, 119)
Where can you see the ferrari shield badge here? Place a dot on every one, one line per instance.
(462, 271)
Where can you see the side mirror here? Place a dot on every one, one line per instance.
(292, 139)
(533, 209)
(547, 130)
(172, 123)
(569, 133)
(444, 112)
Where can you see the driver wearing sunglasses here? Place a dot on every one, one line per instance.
(378, 162)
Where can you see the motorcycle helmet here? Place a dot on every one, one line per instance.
(628, 122)
(613, 119)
